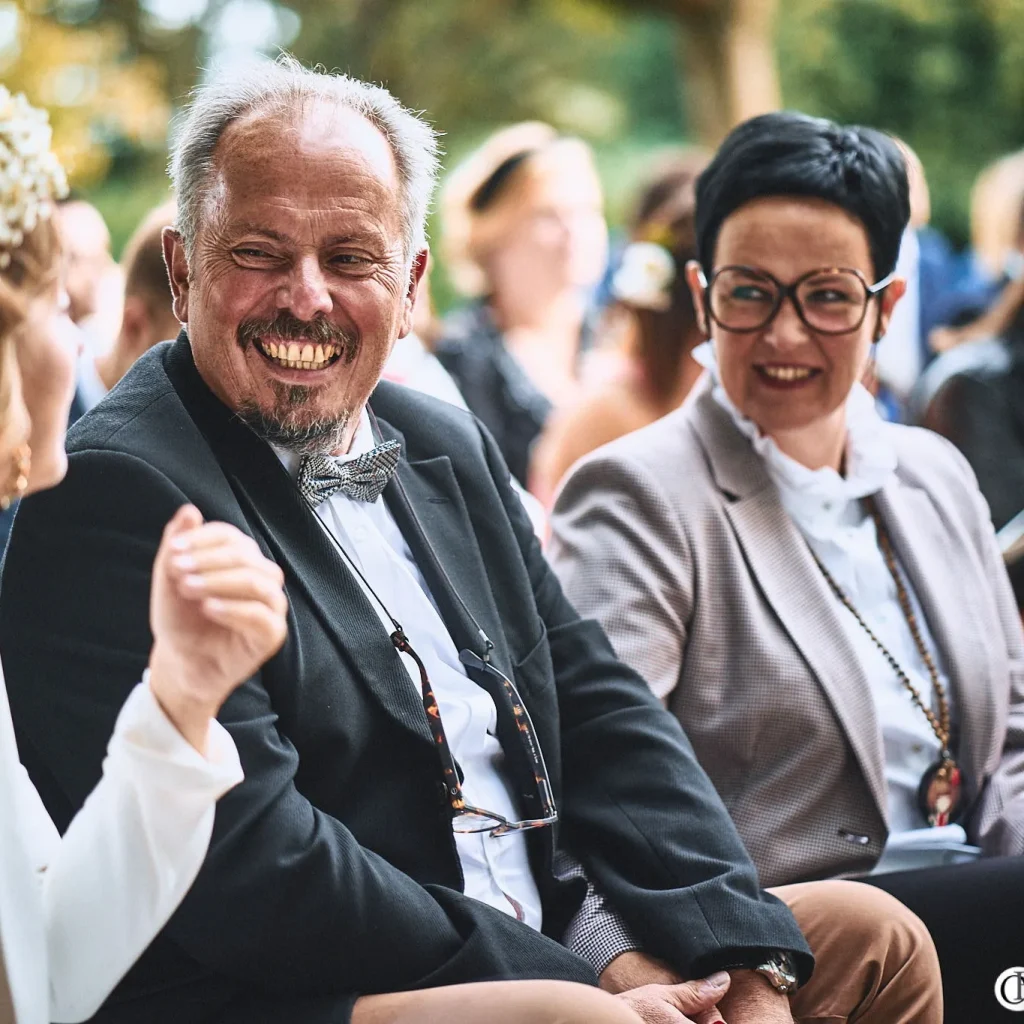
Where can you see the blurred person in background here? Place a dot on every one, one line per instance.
(524, 232)
(93, 283)
(977, 401)
(75, 912)
(147, 316)
(939, 283)
(817, 594)
(651, 321)
(85, 239)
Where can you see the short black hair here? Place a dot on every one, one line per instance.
(858, 169)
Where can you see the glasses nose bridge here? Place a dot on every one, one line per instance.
(790, 292)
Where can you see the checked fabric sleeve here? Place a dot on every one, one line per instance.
(596, 933)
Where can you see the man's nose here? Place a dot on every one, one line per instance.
(306, 293)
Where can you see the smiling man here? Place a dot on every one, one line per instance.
(440, 730)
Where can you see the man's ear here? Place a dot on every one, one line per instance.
(177, 271)
(895, 291)
(417, 274)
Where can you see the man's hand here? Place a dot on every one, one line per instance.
(752, 1000)
(658, 995)
(217, 611)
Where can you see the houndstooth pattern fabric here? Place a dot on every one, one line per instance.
(363, 478)
(596, 933)
(675, 540)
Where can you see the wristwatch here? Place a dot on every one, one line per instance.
(779, 970)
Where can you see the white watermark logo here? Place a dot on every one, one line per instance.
(1010, 989)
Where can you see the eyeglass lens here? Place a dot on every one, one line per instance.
(832, 302)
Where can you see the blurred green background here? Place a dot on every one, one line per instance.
(631, 77)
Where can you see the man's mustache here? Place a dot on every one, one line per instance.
(287, 327)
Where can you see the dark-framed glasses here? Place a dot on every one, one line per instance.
(829, 300)
(465, 817)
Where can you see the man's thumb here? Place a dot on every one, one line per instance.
(694, 996)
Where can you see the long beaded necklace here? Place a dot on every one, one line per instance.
(940, 794)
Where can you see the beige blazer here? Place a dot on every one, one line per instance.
(674, 538)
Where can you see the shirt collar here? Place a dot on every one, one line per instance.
(818, 493)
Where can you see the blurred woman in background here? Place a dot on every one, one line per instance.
(524, 234)
(651, 321)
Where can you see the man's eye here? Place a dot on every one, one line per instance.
(349, 259)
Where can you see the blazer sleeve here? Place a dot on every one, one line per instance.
(287, 901)
(622, 559)
(637, 809)
(998, 822)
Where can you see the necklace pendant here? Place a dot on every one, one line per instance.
(940, 795)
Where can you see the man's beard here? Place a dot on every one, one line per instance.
(284, 425)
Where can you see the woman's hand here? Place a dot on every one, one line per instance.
(217, 611)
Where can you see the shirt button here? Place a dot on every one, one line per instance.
(917, 748)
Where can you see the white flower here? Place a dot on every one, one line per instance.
(30, 175)
(644, 277)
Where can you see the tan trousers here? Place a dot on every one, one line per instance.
(875, 961)
(875, 965)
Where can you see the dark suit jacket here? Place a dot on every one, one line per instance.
(332, 869)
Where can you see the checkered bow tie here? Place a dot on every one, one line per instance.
(363, 478)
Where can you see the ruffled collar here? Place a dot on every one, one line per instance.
(809, 493)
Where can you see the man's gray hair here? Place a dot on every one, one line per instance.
(284, 85)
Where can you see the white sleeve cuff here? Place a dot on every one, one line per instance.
(144, 737)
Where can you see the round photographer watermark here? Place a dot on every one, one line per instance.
(1010, 989)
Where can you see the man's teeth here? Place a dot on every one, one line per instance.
(301, 356)
(787, 373)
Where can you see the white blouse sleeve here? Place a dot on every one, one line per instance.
(129, 855)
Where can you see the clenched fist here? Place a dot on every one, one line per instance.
(217, 611)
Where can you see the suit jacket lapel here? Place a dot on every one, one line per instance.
(272, 503)
(919, 535)
(782, 564)
(427, 503)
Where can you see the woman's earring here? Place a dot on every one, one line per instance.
(17, 482)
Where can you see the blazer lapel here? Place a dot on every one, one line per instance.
(782, 564)
(920, 535)
(273, 504)
(427, 503)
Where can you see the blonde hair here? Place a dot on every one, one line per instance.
(997, 199)
(33, 267)
(471, 232)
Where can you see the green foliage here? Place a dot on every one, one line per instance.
(937, 74)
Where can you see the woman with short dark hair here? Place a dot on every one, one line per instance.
(817, 594)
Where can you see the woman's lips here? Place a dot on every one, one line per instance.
(786, 375)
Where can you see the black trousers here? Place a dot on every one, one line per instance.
(975, 913)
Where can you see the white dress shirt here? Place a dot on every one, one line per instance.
(827, 509)
(496, 870)
(75, 913)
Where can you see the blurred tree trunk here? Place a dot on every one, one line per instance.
(727, 49)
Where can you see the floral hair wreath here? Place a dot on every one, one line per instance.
(31, 177)
(645, 275)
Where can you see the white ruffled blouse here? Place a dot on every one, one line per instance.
(76, 912)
